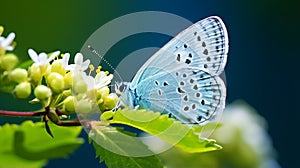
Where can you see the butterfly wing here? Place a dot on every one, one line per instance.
(182, 77)
(192, 96)
(203, 45)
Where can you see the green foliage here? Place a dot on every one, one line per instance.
(191, 160)
(168, 129)
(207, 127)
(27, 145)
(117, 149)
(25, 64)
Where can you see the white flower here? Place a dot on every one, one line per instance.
(89, 80)
(42, 59)
(101, 79)
(5, 43)
(79, 64)
(241, 120)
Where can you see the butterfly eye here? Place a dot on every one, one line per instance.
(122, 87)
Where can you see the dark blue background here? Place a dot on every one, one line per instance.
(262, 67)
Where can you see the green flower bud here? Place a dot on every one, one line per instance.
(9, 61)
(103, 92)
(107, 115)
(42, 92)
(67, 93)
(68, 105)
(56, 66)
(18, 75)
(47, 70)
(44, 68)
(53, 116)
(83, 106)
(35, 73)
(68, 78)
(56, 82)
(22, 90)
(110, 101)
(80, 86)
(100, 101)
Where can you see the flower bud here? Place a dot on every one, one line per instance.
(68, 105)
(56, 66)
(110, 101)
(103, 92)
(80, 86)
(68, 78)
(35, 73)
(42, 92)
(22, 90)
(83, 106)
(18, 75)
(9, 61)
(56, 82)
(53, 116)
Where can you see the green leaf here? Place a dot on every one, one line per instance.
(207, 127)
(196, 160)
(117, 149)
(167, 129)
(25, 64)
(28, 144)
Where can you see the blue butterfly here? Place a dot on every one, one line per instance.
(182, 78)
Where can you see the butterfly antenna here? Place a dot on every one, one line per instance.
(101, 57)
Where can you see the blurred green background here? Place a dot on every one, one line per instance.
(263, 61)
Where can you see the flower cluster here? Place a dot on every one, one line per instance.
(7, 61)
(55, 83)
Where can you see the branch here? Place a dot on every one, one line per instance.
(44, 113)
(22, 114)
(69, 123)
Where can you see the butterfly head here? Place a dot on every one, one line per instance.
(125, 94)
(121, 87)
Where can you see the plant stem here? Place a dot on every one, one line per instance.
(69, 123)
(35, 114)
(21, 114)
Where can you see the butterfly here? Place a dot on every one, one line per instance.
(182, 78)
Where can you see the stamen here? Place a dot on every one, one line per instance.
(92, 68)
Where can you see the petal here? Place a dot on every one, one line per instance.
(104, 81)
(10, 38)
(78, 59)
(85, 65)
(53, 55)
(43, 58)
(9, 48)
(65, 60)
(33, 55)
(99, 76)
(90, 82)
(70, 67)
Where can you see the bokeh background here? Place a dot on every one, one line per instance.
(262, 67)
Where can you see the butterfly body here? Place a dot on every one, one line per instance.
(182, 78)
